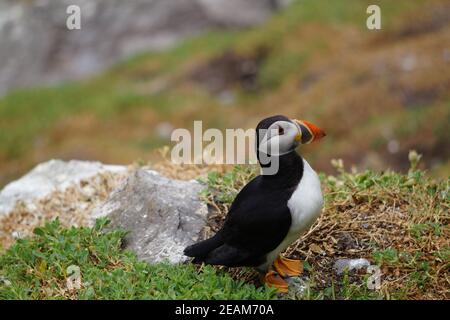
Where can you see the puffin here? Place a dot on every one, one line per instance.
(273, 210)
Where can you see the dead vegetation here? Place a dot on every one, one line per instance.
(398, 222)
(72, 206)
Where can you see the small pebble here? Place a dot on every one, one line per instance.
(15, 234)
(350, 264)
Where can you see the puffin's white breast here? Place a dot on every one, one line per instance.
(306, 201)
(305, 205)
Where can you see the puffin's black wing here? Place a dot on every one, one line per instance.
(257, 222)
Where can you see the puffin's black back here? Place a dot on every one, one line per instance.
(258, 219)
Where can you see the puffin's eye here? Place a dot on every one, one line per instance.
(280, 130)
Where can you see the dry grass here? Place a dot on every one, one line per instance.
(73, 207)
(165, 166)
(399, 222)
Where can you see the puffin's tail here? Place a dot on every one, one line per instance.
(201, 249)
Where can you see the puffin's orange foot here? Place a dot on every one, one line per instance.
(273, 279)
(288, 267)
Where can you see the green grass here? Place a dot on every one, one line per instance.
(25, 115)
(38, 268)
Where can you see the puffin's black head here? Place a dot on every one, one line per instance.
(278, 135)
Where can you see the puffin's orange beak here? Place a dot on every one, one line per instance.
(309, 132)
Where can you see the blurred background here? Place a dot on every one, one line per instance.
(114, 90)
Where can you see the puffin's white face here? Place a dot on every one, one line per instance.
(280, 138)
(284, 136)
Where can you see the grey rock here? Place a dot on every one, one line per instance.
(48, 177)
(162, 215)
(36, 47)
(350, 264)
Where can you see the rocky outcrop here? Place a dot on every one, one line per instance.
(47, 178)
(162, 215)
(36, 46)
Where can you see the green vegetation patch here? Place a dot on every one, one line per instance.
(88, 263)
